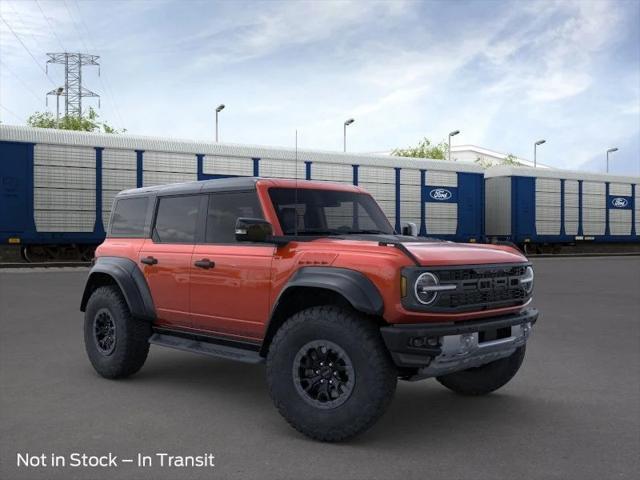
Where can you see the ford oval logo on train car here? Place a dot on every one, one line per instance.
(440, 194)
(619, 202)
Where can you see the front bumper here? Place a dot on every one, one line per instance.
(431, 350)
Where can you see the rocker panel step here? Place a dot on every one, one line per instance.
(206, 348)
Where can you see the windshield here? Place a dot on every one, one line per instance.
(327, 212)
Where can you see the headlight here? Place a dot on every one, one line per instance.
(527, 280)
(426, 288)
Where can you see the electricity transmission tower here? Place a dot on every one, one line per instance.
(73, 91)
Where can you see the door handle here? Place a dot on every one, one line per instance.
(149, 260)
(205, 263)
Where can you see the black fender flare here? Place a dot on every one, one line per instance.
(351, 285)
(354, 286)
(129, 278)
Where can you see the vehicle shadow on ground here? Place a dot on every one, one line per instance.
(418, 412)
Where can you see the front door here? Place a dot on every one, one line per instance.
(165, 259)
(230, 282)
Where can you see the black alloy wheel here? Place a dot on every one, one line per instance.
(323, 374)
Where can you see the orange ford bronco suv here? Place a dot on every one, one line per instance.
(310, 278)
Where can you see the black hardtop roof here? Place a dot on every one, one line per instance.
(199, 186)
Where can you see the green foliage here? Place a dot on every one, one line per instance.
(510, 159)
(424, 149)
(88, 122)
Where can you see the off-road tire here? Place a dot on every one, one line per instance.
(131, 345)
(485, 379)
(375, 376)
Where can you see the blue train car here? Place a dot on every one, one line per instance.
(57, 186)
(549, 206)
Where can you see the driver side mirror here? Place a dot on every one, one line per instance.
(253, 230)
(410, 229)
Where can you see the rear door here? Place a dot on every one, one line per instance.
(165, 258)
(230, 281)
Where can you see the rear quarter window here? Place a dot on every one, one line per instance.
(128, 219)
(177, 219)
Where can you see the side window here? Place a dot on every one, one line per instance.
(176, 219)
(224, 209)
(129, 217)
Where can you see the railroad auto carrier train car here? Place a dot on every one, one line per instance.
(547, 206)
(57, 186)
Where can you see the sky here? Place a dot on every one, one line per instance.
(503, 73)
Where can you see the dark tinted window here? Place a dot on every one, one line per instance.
(327, 212)
(225, 209)
(176, 219)
(129, 216)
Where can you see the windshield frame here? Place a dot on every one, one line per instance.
(374, 213)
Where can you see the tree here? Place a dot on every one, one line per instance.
(86, 123)
(425, 149)
(510, 159)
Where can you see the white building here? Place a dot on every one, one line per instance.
(470, 153)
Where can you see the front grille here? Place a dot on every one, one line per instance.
(482, 287)
(449, 276)
(456, 300)
(478, 288)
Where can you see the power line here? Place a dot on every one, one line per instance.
(24, 25)
(106, 84)
(50, 26)
(24, 84)
(14, 114)
(75, 27)
(28, 51)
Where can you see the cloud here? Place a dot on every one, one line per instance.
(504, 73)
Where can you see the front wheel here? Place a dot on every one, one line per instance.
(486, 378)
(117, 344)
(329, 373)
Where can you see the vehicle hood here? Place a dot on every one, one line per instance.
(435, 252)
(449, 253)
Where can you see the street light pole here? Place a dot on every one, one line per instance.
(452, 134)
(535, 152)
(218, 110)
(344, 133)
(58, 93)
(611, 150)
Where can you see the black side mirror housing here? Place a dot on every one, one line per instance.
(253, 230)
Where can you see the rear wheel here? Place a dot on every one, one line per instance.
(116, 343)
(486, 378)
(329, 373)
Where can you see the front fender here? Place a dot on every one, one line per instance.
(129, 278)
(361, 293)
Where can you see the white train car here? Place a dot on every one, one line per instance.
(58, 186)
(551, 206)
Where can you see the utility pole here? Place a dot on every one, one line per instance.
(218, 110)
(344, 133)
(535, 152)
(73, 90)
(611, 150)
(452, 134)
